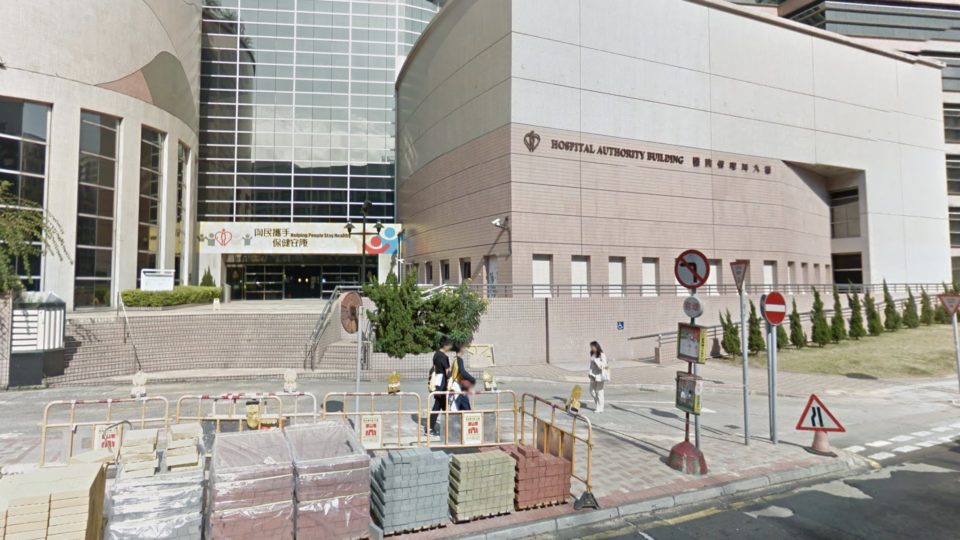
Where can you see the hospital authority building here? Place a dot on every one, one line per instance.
(525, 142)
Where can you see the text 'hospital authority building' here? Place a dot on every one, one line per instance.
(571, 143)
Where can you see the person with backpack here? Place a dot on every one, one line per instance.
(437, 381)
(460, 380)
(599, 372)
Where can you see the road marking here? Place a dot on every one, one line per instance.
(771, 511)
(901, 438)
(905, 449)
(955, 426)
(854, 449)
(690, 517)
(878, 444)
(945, 439)
(922, 434)
(927, 444)
(881, 455)
(941, 429)
(645, 536)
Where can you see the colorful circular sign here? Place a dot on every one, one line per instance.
(773, 307)
(692, 307)
(692, 269)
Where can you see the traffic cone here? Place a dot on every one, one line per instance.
(821, 445)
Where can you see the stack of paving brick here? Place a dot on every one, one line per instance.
(481, 485)
(138, 453)
(251, 487)
(542, 479)
(62, 503)
(409, 490)
(168, 505)
(182, 452)
(332, 472)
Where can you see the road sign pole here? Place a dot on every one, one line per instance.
(359, 357)
(956, 343)
(773, 384)
(744, 337)
(696, 417)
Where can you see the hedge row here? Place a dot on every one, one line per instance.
(178, 296)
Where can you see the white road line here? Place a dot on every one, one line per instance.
(941, 429)
(645, 536)
(927, 444)
(922, 433)
(905, 449)
(854, 449)
(878, 444)
(956, 426)
(945, 439)
(901, 438)
(881, 455)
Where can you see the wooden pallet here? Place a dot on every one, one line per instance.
(544, 504)
(411, 530)
(479, 517)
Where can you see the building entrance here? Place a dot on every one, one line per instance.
(271, 277)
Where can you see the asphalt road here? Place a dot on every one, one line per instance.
(916, 496)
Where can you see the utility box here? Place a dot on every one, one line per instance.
(37, 351)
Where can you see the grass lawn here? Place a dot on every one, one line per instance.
(922, 352)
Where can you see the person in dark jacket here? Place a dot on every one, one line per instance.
(438, 381)
(460, 380)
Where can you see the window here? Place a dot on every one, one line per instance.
(649, 275)
(542, 276)
(428, 268)
(951, 123)
(845, 214)
(148, 223)
(791, 275)
(953, 174)
(490, 274)
(23, 168)
(183, 161)
(847, 268)
(954, 226)
(769, 275)
(444, 272)
(805, 273)
(466, 272)
(95, 203)
(816, 274)
(616, 270)
(580, 277)
(955, 261)
(712, 286)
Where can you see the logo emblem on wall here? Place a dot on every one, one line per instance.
(385, 243)
(531, 140)
(223, 237)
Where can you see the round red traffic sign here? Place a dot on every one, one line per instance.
(773, 307)
(692, 269)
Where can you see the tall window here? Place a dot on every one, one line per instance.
(953, 174)
(954, 226)
(95, 202)
(847, 268)
(466, 270)
(951, 123)
(616, 275)
(580, 276)
(148, 224)
(649, 274)
(23, 166)
(183, 160)
(845, 214)
(542, 276)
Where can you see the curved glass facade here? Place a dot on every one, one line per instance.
(297, 107)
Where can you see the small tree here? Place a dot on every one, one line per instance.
(755, 342)
(731, 335)
(892, 320)
(910, 317)
(397, 318)
(798, 338)
(207, 279)
(782, 338)
(874, 323)
(821, 330)
(454, 313)
(857, 330)
(940, 313)
(26, 232)
(926, 308)
(838, 327)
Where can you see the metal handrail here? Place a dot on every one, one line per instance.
(126, 330)
(322, 323)
(635, 290)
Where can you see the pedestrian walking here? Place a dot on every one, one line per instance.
(599, 373)
(437, 382)
(460, 380)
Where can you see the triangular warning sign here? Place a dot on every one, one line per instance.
(816, 417)
(739, 269)
(950, 302)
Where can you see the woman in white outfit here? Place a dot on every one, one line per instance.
(598, 374)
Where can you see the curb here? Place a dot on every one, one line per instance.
(847, 463)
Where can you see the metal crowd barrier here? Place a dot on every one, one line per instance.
(373, 423)
(550, 436)
(221, 411)
(470, 432)
(100, 414)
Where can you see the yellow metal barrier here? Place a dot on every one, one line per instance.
(385, 414)
(560, 435)
(471, 432)
(221, 411)
(97, 415)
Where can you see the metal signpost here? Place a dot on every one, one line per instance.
(692, 269)
(951, 302)
(773, 307)
(739, 269)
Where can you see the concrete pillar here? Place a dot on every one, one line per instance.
(6, 338)
(63, 164)
(167, 249)
(127, 209)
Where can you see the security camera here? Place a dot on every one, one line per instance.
(497, 223)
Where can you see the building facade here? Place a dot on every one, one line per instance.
(99, 126)
(565, 145)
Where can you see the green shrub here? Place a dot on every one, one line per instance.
(857, 330)
(821, 329)
(892, 320)
(926, 308)
(838, 328)
(731, 335)
(874, 323)
(910, 317)
(755, 341)
(207, 279)
(177, 297)
(782, 338)
(798, 338)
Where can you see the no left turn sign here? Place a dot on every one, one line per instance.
(692, 269)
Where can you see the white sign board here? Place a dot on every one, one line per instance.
(472, 428)
(156, 280)
(108, 439)
(371, 431)
(296, 238)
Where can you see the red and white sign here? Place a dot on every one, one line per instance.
(692, 269)
(816, 417)
(472, 429)
(739, 269)
(951, 302)
(371, 431)
(773, 307)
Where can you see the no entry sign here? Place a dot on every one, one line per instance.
(692, 269)
(774, 308)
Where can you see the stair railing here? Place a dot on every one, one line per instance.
(309, 356)
(127, 335)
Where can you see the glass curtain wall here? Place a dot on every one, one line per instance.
(148, 223)
(23, 166)
(95, 209)
(297, 107)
